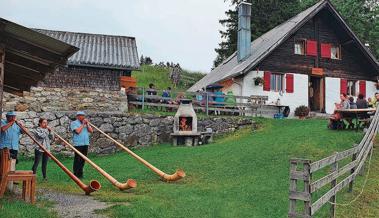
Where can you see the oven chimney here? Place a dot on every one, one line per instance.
(244, 31)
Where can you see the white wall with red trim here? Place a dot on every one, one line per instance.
(293, 98)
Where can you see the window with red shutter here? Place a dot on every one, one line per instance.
(289, 83)
(343, 89)
(312, 48)
(362, 87)
(326, 50)
(266, 78)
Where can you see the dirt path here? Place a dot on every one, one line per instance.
(74, 206)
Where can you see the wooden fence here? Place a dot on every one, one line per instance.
(342, 173)
(202, 101)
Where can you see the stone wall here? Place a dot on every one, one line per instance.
(132, 130)
(41, 99)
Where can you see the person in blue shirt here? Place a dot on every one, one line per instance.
(10, 134)
(81, 131)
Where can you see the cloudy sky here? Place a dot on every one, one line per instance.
(184, 31)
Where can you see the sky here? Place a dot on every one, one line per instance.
(183, 31)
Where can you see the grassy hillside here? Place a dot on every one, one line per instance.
(241, 175)
(160, 77)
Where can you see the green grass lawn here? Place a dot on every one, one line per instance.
(241, 175)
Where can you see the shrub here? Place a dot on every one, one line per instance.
(302, 111)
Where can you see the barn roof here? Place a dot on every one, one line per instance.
(268, 42)
(97, 50)
(29, 55)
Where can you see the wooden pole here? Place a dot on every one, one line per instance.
(143, 98)
(295, 195)
(351, 184)
(207, 103)
(333, 199)
(2, 63)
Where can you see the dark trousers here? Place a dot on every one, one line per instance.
(14, 154)
(37, 157)
(79, 162)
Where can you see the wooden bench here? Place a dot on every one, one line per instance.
(27, 178)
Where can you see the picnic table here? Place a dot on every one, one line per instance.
(280, 107)
(356, 113)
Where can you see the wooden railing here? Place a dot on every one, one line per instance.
(302, 170)
(202, 101)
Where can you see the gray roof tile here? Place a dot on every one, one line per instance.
(97, 50)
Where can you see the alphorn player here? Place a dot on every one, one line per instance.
(44, 136)
(10, 134)
(81, 132)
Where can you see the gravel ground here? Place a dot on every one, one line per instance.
(73, 206)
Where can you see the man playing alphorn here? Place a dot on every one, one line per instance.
(10, 134)
(81, 132)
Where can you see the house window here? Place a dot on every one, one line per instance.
(351, 88)
(276, 82)
(300, 47)
(335, 52)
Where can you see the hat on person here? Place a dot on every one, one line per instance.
(80, 113)
(11, 113)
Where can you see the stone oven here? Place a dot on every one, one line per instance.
(185, 125)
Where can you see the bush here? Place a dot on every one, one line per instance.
(302, 111)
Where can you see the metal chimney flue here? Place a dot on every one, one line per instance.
(244, 31)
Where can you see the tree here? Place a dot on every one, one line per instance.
(142, 60)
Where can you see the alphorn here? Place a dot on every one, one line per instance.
(93, 186)
(130, 183)
(166, 177)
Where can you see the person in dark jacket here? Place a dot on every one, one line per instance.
(44, 136)
(361, 102)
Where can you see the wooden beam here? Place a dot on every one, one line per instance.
(43, 68)
(16, 71)
(31, 50)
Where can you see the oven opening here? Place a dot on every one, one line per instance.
(185, 123)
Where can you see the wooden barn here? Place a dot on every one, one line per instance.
(26, 56)
(308, 60)
(100, 63)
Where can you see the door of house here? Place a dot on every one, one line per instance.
(316, 94)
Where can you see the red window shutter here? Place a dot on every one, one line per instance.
(289, 83)
(362, 87)
(311, 48)
(325, 50)
(267, 79)
(343, 86)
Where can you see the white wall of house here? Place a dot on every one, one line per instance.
(370, 89)
(236, 87)
(300, 94)
(333, 87)
(332, 93)
(293, 100)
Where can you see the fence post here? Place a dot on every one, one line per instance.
(351, 184)
(143, 98)
(295, 195)
(333, 184)
(207, 104)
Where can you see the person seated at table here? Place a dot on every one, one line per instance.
(335, 121)
(353, 105)
(178, 98)
(230, 99)
(376, 99)
(218, 100)
(361, 102)
(166, 94)
(370, 102)
(151, 91)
